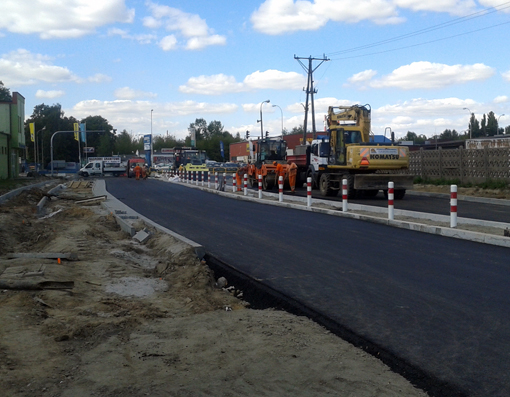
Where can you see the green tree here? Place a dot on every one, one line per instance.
(413, 137)
(492, 124)
(97, 127)
(48, 120)
(5, 93)
(449, 135)
(201, 132)
(474, 127)
(124, 143)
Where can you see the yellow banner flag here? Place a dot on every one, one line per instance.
(76, 129)
(32, 131)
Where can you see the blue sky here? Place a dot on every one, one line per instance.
(417, 63)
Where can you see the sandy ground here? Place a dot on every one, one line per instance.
(149, 319)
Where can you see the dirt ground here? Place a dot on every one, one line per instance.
(132, 319)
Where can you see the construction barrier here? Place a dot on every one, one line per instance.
(245, 184)
(234, 187)
(309, 191)
(260, 186)
(391, 197)
(453, 206)
(280, 188)
(345, 195)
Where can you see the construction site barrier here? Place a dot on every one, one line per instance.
(260, 186)
(245, 184)
(309, 191)
(345, 195)
(453, 206)
(391, 197)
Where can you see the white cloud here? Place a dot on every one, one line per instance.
(362, 77)
(455, 7)
(193, 30)
(22, 67)
(501, 99)
(99, 78)
(49, 94)
(197, 43)
(292, 16)
(135, 115)
(307, 15)
(61, 19)
(140, 38)
(275, 79)
(221, 84)
(168, 43)
(129, 93)
(212, 85)
(506, 75)
(427, 75)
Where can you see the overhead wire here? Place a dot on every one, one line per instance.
(466, 18)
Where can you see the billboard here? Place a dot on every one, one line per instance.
(147, 142)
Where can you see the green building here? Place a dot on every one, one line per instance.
(12, 135)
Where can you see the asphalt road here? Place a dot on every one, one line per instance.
(441, 304)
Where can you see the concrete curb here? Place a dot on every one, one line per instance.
(415, 226)
(13, 193)
(122, 213)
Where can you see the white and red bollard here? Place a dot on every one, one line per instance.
(391, 200)
(189, 177)
(216, 180)
(245, 184)
(280, 188)
(208, 180)
(224, 180)
(345, 195)
(234, 187)
(202, 177)
(453, 206)
(260, 186)
(309, 191)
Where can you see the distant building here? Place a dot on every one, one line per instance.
(491, 142)
(12, 136)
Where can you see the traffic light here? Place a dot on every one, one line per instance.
(267, 134)
(247, 134)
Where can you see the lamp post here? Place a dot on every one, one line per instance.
(497, 131)
(469, 121)
(151, 138)
(36, 148)
(261, 126)
(281, 111)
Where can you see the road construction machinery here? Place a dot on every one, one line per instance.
(268, 152)
(348, 151)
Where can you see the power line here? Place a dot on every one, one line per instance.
(469, 17)
(424, 43)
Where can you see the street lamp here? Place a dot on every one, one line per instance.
(151, 138)
(281, 111)
(261, 126)
(36, 148)
(469, 121)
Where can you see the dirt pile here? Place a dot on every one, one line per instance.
(134, 319)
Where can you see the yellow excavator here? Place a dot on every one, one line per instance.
(350, 153)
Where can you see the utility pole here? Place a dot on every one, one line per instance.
(310, 91)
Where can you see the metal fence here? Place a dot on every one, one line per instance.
(465, 165)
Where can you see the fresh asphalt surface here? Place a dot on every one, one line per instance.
(438, 303)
